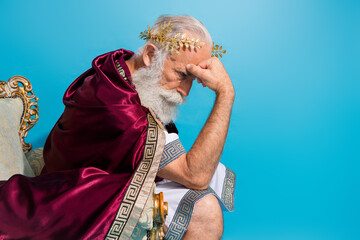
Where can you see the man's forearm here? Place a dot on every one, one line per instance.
(196, 168)
(204, 156)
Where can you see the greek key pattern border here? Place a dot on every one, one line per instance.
(121, 71)
(228, 192)
(135, 185)
(182, 217)
(172, 151)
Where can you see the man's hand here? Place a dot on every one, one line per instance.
(212, 74)
(196, 168)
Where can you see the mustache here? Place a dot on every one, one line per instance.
(163, 102)
(171, 96)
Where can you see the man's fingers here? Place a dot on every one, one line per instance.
(212, 74)
(205, 64)
(200, 82)
(197, 71)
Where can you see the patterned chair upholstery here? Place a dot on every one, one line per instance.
(19, 112)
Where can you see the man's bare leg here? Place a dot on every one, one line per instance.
(206, 221)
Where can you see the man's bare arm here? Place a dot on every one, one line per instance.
(196, 168)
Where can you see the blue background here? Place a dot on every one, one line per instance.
(294, 135)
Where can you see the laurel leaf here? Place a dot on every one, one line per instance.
(172, 44)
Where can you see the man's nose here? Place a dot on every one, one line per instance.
(185, 87)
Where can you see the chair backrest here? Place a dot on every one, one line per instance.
(19, 112)
(20, 87)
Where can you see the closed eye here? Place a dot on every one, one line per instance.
(182, 75)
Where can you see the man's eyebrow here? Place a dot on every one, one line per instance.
(188, 74)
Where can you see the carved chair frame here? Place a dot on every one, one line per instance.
(20, 87)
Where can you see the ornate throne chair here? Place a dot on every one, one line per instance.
(19, 112)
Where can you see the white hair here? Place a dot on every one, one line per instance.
(181, 24)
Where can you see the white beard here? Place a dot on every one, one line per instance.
(162, 101)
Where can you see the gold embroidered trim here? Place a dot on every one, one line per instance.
(121, 71)
(139, 188)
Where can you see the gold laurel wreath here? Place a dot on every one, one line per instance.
(179, 40)
(217, 51)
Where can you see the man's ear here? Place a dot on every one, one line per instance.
(148, 53)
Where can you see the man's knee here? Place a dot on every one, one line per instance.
(207, 219)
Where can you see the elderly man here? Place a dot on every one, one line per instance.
(117, 134)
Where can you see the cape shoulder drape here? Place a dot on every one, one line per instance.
(101, 159)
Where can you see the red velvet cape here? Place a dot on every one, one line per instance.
(101, 159)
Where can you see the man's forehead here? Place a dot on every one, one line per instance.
(191, 56)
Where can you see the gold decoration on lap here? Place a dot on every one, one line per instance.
(160, 212)
(19, 86)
